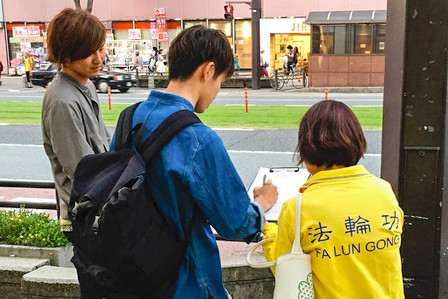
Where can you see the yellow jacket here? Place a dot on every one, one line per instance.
(351, 226)
(28, 62)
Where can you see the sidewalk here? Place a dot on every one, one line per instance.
(15, 83)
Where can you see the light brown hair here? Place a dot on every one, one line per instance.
(74, 34)
(330, 134)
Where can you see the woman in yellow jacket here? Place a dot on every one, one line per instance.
(351, 223)
(29, 65)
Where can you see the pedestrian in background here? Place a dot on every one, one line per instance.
(351, 223)
(1, 70)
(263, 64)
(138, 62)
(290, 54)
(236, 61)
(194, 171)
(72, 124)
(29, 65)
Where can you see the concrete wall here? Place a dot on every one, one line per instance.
(346, 70)
(44, 10)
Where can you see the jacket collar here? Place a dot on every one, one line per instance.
(341, 174)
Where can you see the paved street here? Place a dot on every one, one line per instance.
(13, 90)
(24, 159)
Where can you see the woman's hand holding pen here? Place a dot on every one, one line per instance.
(266, 195)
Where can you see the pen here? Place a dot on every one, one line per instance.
(264, 179)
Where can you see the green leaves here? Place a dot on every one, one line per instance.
(23, 227)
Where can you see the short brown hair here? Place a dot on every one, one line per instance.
(74, 34)
(330, 134)
(196, 45)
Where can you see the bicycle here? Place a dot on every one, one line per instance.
(296, 76)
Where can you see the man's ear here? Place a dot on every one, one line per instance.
(208, 70)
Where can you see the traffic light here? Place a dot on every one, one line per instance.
(228, 12)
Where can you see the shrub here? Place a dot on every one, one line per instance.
(30, 229)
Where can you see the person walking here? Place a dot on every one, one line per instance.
(138, 62)
(194, 168)
(1, 70)
(72, 124)
(290, 54)
(29, 65)
(351, 223)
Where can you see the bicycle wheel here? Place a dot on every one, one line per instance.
(280, 81)
(298, 81)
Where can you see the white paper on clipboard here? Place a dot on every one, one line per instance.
(287, 181)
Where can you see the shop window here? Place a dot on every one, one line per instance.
(243, 43)
(323, 39)
(279, 44)
(363, 34)
(348, 39)
(330, 39)
(380, 38)
(341, 39)
(188, 24)
(225, 27)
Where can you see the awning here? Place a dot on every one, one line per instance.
(346, 17)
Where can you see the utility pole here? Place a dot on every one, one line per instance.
(255, 7)
(256, 71)
(415, 139)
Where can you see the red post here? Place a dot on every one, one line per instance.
(245, 94)
(326, 93)
(110, 103)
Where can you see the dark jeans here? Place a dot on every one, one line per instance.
(290, 64)
(27, 77)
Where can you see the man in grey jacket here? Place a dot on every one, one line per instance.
(72, 125)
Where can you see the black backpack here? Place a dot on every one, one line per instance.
(123, 247)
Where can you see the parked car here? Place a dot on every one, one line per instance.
(116, 80)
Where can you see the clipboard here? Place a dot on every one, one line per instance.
(288, 181)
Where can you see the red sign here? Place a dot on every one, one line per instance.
(25, 31)
(161, 25)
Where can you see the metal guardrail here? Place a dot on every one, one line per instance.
(27, 184)
(28, 204)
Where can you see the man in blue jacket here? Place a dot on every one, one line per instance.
(195, 168)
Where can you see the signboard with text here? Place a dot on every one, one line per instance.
(25, 46)
(135, 34)
(25, 31)
(161, 25)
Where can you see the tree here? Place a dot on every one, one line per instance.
(89, 5)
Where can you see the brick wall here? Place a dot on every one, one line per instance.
(346, 70)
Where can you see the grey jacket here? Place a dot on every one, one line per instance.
(72, 127)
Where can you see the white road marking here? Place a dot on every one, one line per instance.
(230, 151)
(20, 145)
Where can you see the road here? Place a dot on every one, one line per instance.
(227, 96)
(23, 157)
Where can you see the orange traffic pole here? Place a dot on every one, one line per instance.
(110, 103)
(245, 94)
(326, 93)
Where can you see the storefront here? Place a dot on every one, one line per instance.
(26, 38)
(347, 48)
(277, 34)
(126, 38)
(239, 35)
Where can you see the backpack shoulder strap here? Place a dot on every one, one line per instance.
(169, 128)
(124, 127)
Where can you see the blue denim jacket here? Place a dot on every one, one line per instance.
(195, 168)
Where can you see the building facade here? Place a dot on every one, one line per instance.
(132, 26)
